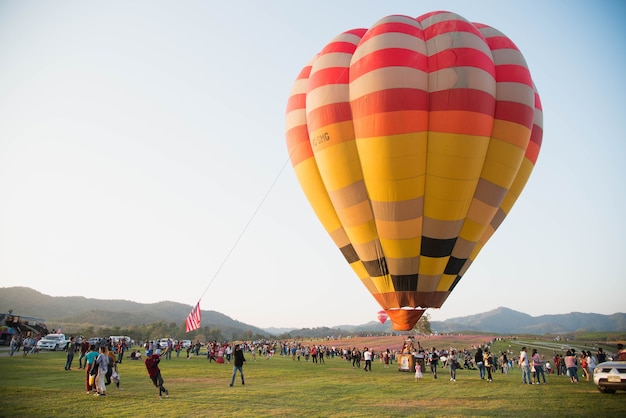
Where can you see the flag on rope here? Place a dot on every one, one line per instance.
(193, 320)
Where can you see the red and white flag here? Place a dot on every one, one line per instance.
(193, 320)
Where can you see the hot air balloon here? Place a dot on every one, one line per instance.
(412, 140)
(382, 316)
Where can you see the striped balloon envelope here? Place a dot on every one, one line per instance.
(412, 140)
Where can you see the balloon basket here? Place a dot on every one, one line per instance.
(406, 363)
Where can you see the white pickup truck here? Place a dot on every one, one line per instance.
(53, 342)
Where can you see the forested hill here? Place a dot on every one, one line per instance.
(109, 313)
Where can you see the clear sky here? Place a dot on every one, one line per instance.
(143, 157)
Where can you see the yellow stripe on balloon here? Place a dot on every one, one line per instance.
(432, 266)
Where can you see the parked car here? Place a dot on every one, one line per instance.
(116, 338)
(93, 341)
(186, 343)
(53, 342)
(610, 376)
(163, 343)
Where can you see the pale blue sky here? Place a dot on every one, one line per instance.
(137, 140)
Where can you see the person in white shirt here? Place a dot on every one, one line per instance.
(524, 364)
(367, 356)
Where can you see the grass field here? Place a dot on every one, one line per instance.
(38, 385)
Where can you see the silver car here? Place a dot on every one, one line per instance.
(610, 376)
(52, 342)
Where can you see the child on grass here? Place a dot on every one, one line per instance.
(418, 372)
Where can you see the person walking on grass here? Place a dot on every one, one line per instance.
(152, 365)
(90, 363)
(15, 345)
(452, 362)
(433, 360)
(239, 360)
(102, 364)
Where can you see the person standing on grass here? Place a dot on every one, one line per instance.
(152, 365)
(570, 366)
(90, 359)
(479, 361)
(121, 348)
(591, 364)
(488, 362)
(418, 372)
(239, 360)
(505, 363)
(583, 365)
(367, 356)
(538, 365)
(102, 363)
(524, 364)
(84, 349)
(70, 348)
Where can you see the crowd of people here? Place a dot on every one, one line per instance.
(534, 367)
(100, 359)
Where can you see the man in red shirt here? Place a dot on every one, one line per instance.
(84, 348)
(152, 365)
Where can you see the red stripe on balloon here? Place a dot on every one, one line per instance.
(295, 102)
(329, 114)
(448, 26)
(390, 100)
(390, 57)
(463, 99)
(513, 74)
(515, 112)
(326, 76)
(500, 42)
(395, 27)
(461, 57)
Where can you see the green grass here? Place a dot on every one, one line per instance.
(39, 386)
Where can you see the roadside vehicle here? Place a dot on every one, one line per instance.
(116, 338)
(163, 343)
(93, 341)
(53, 342)
(186, 343)
(610, 376)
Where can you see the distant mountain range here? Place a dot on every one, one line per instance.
(508, 321)
(124, 313)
